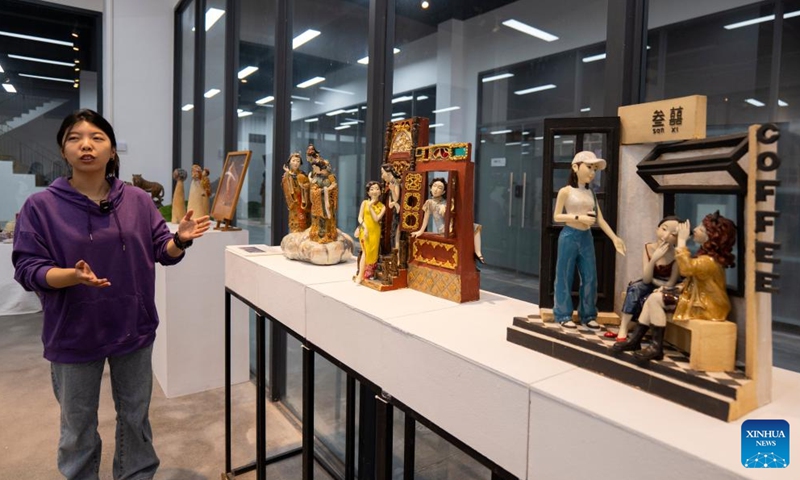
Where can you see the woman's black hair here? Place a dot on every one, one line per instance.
(668, 218)
(90, 116)
(368, 186)
(388, 167)
(295, 154)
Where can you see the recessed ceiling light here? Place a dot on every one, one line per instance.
(187, 107)
(40, 60)
(310, 82)
(535, 89)
(350, 122)
(298, 97)
(511, 144)
(211, 92)
(754, 102)
(781, 103)
(422, 97)
(304, 37)
(267, 99)
(243, 113)
(335, 112)
(499, 132)
(497, 77)
(334, 90)
(594, 58)
(425, 4)
(446, 109)
(754, 21)
(212, 15)
(9, 88)
(365, 60)
(586, 109)
(404, 98)
(533, 31)
(36, 39)
(249, 70)
(341, 127)
(1, 69)
(398, 114)
(311, 120)
(436, 125)
(52, 79)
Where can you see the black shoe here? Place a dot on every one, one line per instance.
(656, 349)
(634, 341)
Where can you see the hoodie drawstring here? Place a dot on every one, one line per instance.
(119, 229)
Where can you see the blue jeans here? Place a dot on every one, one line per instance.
(575, 250)
(635, 296)
(77, 389)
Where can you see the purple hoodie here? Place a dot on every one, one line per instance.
(60, 226)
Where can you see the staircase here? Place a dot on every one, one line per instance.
(30, 115)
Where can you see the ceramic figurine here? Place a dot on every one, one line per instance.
(658, 270)
(178, 196)
(391, 181)
(576, 206)
(703, 295)
(324, 201)
(155, 189)
(368, 231)
(199, 192)
(312, 154)
(435, 208)
(296, 190)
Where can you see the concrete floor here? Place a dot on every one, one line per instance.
(189, 431)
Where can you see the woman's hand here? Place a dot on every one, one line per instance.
(620, 246)
(660, 251)
(684, 231)
(189, 229)
(85, 276)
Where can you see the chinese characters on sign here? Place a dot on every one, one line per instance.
(675, 120)
(664, 121)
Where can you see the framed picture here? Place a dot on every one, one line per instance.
(230, 185)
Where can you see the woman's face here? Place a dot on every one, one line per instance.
(668, 232)
(374, 191)
(87, 148)
(585, 172)
(294, 163)
(700, 236)
(437, 189)
(385, 175)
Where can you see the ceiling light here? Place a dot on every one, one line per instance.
(54, 79)
(365, 60)
(402, 99)
(211, 92)
(298, 97)
(1, 69)
(446, 109)
(304, 37)
(341, 127)
(594, 58)
(352, 110)
(535, 32)
(9, 88)
(526, 133)
(187, 107)
(311, 81)
(343, 92)
(40, 60)
(75, 35)
(781, 103)
(535, 89)
(74, 85)
(36, 39)
(754, 102)
(499, 132)
(76, 49)
(318, 103)
(77, 69)
(335, 112)
(422, 97)
(350, 122)
(400, 118)
(311, 120)
(567, 142)
(247, 71)
(497, 77)
(436, 125)
(267, 99)
(425, 4)
(754, 21)
(586, 109)
(398, 114)
(243, 113)
(511, 144)
(212, 15)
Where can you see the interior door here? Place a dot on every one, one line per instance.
(508, 203)
(563, 138)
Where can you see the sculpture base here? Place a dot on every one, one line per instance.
(298, 246)
(398, 282)
(603, 318)
(723, 395)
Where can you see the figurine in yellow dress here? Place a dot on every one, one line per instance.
(703, 296)
(368, 231)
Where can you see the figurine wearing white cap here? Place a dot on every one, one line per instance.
(576, 206)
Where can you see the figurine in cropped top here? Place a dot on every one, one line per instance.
(576, 206)
(658, 270)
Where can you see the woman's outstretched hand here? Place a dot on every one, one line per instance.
(189, 228)
(87, 277)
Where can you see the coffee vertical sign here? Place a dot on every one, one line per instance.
(761, 280)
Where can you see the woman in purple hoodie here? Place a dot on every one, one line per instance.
(91, 222)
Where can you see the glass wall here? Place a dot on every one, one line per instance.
(187, 63)
(213, 154)
(329, 92)
(726, 53)
(496, 70)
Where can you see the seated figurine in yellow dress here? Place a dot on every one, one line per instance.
(368, 231)
(703, 295)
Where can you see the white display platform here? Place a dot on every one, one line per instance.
(14, 300)
(533, 415)
(189, 351)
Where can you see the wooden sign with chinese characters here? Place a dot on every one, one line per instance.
(666, 120)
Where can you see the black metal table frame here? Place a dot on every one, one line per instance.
(376, 416)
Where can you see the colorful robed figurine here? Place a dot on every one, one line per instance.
(296, 187)
(324, 201)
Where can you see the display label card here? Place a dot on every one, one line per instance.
(681, 118)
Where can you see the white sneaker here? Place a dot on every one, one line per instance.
(569, 324)
(591, 325)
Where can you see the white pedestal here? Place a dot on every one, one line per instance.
(14, 300)
(189, 352)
